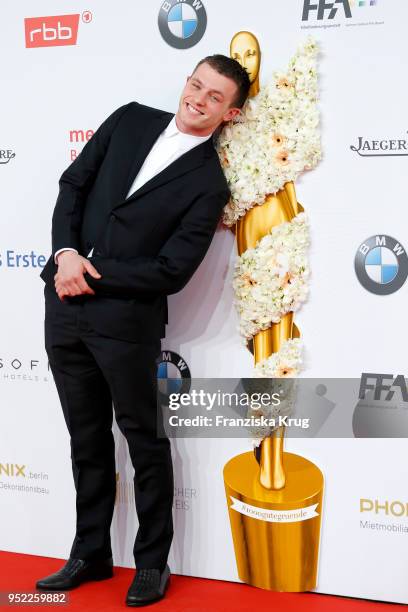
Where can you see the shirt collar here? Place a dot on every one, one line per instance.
(172, 130)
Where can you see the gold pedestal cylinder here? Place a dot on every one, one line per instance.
(276, 533)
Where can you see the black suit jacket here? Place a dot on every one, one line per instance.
(146, 246)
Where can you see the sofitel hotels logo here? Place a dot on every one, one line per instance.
(20, 369)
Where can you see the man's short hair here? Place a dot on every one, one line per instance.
(233, 70)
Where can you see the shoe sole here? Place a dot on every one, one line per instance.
(74, 586)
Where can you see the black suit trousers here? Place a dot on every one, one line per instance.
(92, 371)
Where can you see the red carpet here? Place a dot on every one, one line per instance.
(18, 573)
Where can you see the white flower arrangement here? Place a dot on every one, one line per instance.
(286, 387)
(275, 138)
(285, 363)
(271, 279)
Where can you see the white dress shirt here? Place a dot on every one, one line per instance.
(169, 146)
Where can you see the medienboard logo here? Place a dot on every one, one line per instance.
(51, 31)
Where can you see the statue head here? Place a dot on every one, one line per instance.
(244, 48)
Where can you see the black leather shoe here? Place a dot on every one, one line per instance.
(76, 571)
(148, 586)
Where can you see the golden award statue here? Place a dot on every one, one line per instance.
(274, 497)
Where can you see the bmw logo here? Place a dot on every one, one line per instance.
(381, 264)
(182, 23)
(173, 374)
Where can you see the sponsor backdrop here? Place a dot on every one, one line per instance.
(62, 75)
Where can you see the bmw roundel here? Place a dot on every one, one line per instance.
(182, 23)
(173, 374)
(381, 264)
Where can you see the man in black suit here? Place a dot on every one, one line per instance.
(135, 215)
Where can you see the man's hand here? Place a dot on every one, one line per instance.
(69, 279)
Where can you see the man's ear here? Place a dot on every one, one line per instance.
(231, 112)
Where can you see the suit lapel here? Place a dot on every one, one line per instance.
(185, 163)
(145, 144)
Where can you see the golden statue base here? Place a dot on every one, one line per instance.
(276, 533)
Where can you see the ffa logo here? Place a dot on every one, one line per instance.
(381, 264)
(182, 23)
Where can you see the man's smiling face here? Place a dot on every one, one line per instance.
(206, 101)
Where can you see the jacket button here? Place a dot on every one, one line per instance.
(112, 217)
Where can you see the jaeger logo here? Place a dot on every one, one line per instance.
(51, 31)
(6, 155)
(379, 148)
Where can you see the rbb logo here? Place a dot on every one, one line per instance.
(323, 6)
(51, 31)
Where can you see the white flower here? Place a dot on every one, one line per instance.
(285, 363)
(271, 279)
(273, 140)
(286, 107)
